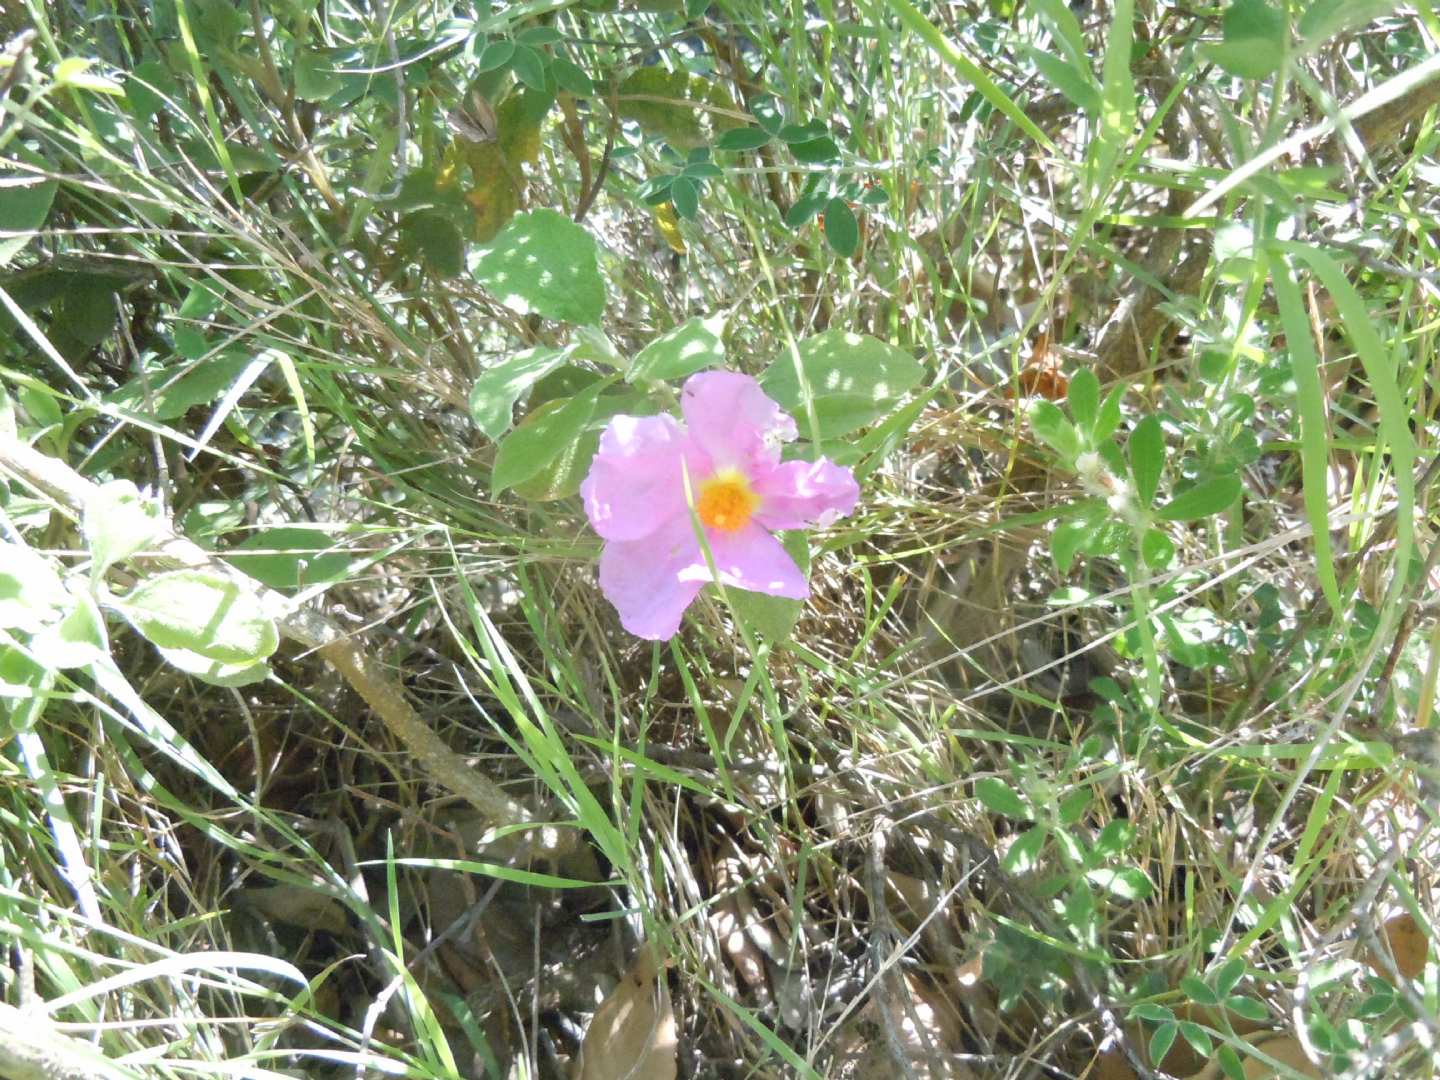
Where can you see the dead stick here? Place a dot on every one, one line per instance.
(364, 674)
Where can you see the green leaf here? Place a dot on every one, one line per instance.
(529, 67)
(40, 404)
(541, 437)
(292, 556)
(1195, 1035)
(86, 312)
(495, 55)
(1157, 549)
(1248, 1008)
(1326, 19)
(173, 397)
(1074, 806)
(1314, 427)
(31, 592)
(1228, 974)
(1079, 85)
(1051, 427)
(767, 113)
(1255, 34)
(1380, 366)
(433, 235)
(74, 72)
(685, 197)
(842, 231)
(147, 86)
(203, 612)
(803, 209)
(1147, 457)
(1068, 539)
(1231, 1064)
(542, 262)
(24, 206)
(1108, 421)
(815, 151)
(493, 397)
(852, 380)
(1162, 1040)
(1117, 111)
(571, 77)
(692, 346)
(215, 672)
(566, 471)
(539, 35)
(1251, 20)
(643, 97)
(1204, 499)
(590, 343)
(76, 640)
(1198, 990)
(1000, 798)
(1084, 399)
(743, 138)
(117, 522)
(1126, 882)
(1065, 28)
(1109, 536)
(315, 76)
(801, 133)
(1024, 854)
(1155, 1014)
(774, 617)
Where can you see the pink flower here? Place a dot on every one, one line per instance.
(729, 447)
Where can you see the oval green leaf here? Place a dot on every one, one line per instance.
(542, 262)
(1204, 499)
(203, 612)
(851, 380)
(842, 231)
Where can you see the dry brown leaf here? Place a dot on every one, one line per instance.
(1408, 945)
(632, 1036)
(1285, 1049)
(298, 906)
(1113, 1065)
(977, 996)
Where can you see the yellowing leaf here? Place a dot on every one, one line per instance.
(643, 98)
(493, 199)
(298, 906)
(632, 1036)
(1408, 945)
(518, 125)
(496, 166)
(669, 226)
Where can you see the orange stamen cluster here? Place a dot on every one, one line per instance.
(726, 501)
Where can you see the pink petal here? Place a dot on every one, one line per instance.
(635, 483)
(750, 559)
(805, 494)
(732, 420)
(646, 579)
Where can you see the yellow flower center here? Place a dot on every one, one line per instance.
(726, 501)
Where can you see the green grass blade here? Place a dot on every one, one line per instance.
(967, 69)
(1314, 430)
